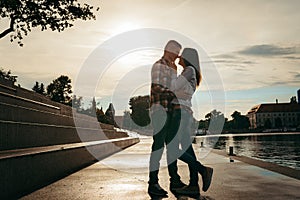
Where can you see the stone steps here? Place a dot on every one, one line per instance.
(42, 141)
(23, 171)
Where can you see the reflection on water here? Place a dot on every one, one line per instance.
(282, 149)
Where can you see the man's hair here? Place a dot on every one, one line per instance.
(170, 45)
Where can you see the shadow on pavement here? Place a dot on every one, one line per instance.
(190, 197)
(194, 197)
(153, 197)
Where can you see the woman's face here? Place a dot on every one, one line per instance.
(181, 62)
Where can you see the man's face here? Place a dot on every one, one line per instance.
(173, 53)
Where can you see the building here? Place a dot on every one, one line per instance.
(275, 115)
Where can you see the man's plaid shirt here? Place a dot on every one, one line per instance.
(161, 77)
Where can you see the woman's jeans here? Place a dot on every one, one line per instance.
(181, 128)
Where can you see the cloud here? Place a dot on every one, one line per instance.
(237, 61)
(230, 60)
(267, 50)
(297, 76)
(281, 83)
(292, 57)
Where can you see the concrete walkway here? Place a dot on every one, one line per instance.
(124, 176)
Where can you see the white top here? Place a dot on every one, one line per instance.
(184, 86)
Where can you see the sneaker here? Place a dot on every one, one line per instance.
(155, 189)
(176, 185)
(189, 190)
(206, 178)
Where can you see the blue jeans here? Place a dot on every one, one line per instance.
(182, 122)
(161, 136)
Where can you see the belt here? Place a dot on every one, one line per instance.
(178, 106)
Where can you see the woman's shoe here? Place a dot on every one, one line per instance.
(206, 178)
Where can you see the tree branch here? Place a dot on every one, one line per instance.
(10, 29)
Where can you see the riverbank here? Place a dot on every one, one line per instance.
(125, 175)
(278, 148)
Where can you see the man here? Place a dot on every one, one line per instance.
(163, 71)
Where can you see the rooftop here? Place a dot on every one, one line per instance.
(275, 107)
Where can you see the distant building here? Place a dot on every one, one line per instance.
(275, 115)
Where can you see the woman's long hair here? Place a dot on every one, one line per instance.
(191, 58)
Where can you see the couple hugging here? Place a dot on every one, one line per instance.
(172, 119)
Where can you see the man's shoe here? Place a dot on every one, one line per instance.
(206, 178)
(176, 185)
(155, 189)
(189, 190)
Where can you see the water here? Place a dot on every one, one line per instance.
(279, 148)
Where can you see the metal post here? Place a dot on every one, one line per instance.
(231, 151)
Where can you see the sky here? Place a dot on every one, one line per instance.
(253, 46)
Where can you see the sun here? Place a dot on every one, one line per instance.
(125, 26)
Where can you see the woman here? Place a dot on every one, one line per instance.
(182, 121)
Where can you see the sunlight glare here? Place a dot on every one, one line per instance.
(125, 26)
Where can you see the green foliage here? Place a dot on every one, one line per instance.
(56, 15)
(140, 110)
(60, 90)
(110, 114)
(202, 124)
(126, 120)
(76, 102)
(106, 117)
(240, 121)
(101, 116)
(293, 99)
(39, 88)
(7, 75)
(215, 121)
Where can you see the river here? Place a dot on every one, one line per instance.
(279, 148)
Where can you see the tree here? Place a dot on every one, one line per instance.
(39, 88)
(110, 114)
(293, 99)
(140, 110)
(36, 87)
(60, 89)
(56, 15)
(239, 121)
(236, 120)
(7, 75)
(236, 115)
(215, 121)
(93, 107)
(214, 114)
(42, 89)
(77, 102)
(101, 116)
(126, 120)
(202, 124)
